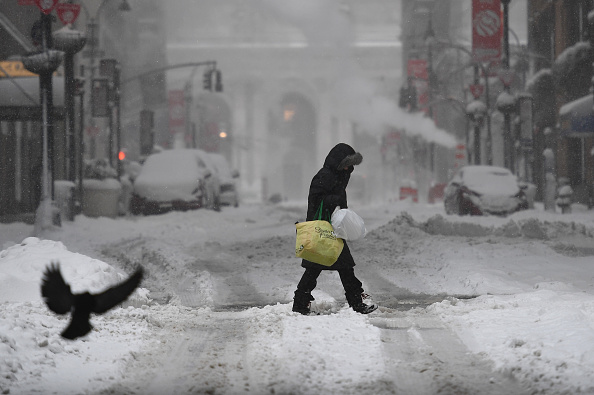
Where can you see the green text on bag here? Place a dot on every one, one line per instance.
(316, 241)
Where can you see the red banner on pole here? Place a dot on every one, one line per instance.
(68, 12)
(177, 112)
(487, 30)
(46, 6)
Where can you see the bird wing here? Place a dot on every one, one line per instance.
(117, 294)
(54, 290)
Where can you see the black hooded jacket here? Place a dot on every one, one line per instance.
(329, 186)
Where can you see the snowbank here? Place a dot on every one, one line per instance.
(518, 292)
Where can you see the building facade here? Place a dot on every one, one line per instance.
(132, 34)
(560, 42)
(296, 82)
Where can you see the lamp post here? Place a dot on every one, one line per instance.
(110, 69)
(430, 40)
(476, 111)
(507, 138)
(44, 63)
(486, 116)
(79, 91)
(591, 39)
(70, 42)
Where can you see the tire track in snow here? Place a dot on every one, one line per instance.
(424, 357)
(233, 287)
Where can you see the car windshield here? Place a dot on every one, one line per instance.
(490, 180)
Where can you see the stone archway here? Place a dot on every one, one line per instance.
(292, 131)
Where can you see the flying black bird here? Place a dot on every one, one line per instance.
(58, 297)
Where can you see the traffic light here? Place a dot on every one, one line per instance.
(207, 80)
(122, 155)
(218, 81)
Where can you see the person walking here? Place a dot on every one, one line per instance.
(329, 186)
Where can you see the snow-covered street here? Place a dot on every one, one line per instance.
(468, 305)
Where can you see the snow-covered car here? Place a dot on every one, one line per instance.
(177, 179)
(229, 195)
(484, 190)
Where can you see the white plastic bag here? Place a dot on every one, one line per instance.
(347, 224)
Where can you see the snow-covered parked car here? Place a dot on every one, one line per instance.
(484, 190)
(177, 179)
(229, 195)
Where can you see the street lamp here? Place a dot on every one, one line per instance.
(429, 41)
(478, 66)
(70, 42)
(476, 111)
(591, 39)
(506, 104)
(507, 138)
(44, 63)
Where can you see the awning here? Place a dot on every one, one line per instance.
(19, 98)
(576, 118)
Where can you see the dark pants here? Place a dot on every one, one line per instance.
(352, 285)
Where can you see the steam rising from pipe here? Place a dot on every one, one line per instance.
(326, 26)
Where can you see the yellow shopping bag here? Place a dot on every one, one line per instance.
(316, 242)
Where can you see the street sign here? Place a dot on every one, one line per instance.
(68, 12)
(14, 68)
(46, 6)
(476, 90)
(486, 30)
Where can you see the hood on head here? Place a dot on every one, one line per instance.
(341, 156)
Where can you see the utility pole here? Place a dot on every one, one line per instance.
(507, 137)
(429, 40)
(44, 63)
(477, 126)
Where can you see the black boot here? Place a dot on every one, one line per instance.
(356, 303)
(302, 302)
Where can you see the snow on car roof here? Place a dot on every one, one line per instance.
(489, 180)
(169, 175)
